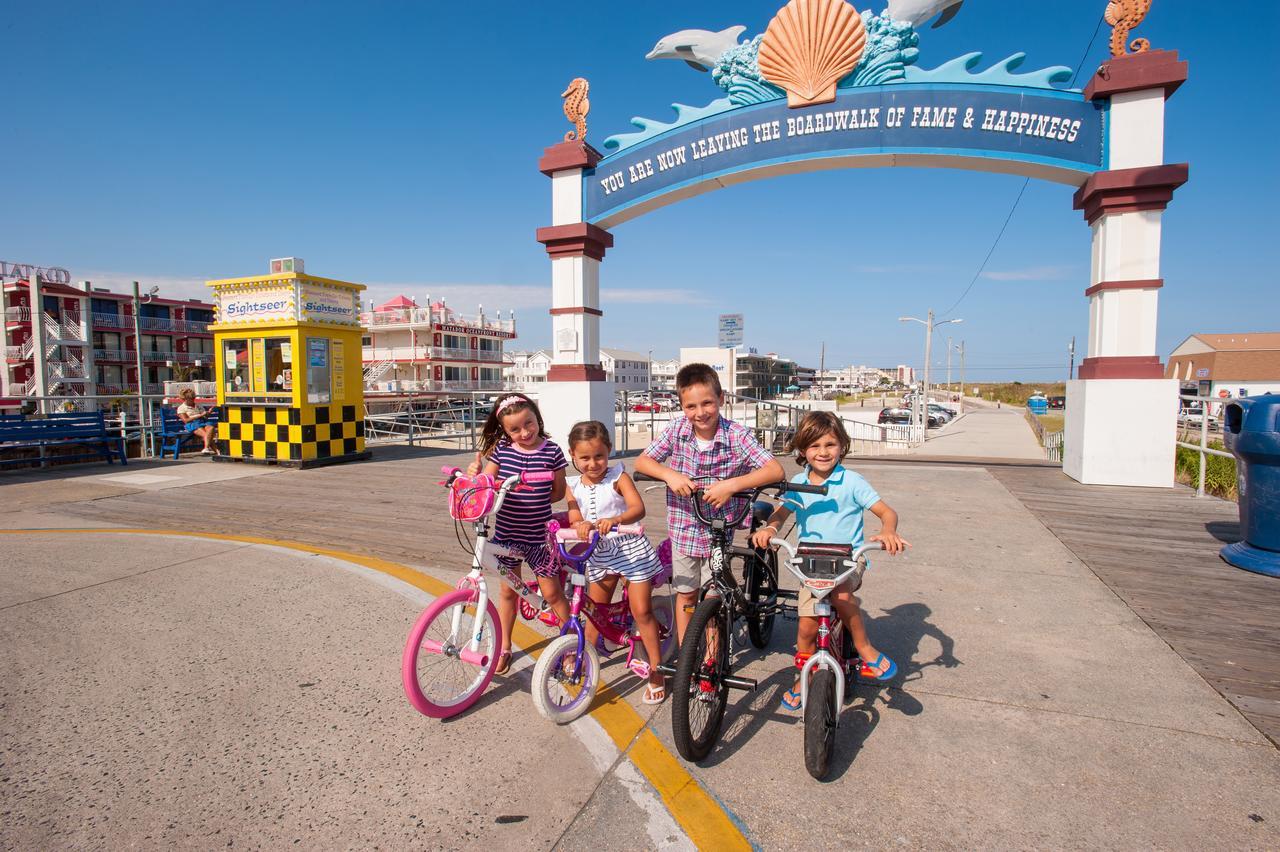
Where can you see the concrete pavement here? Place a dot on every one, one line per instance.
(984, 433)
(166, 691)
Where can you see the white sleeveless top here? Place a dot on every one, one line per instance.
(601, 500)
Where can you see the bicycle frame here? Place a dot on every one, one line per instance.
(820, 588)
(581, 604)
(485, 554)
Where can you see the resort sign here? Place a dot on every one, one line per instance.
(827, 86)
(266, 304)
(23, 271)
(328, 304)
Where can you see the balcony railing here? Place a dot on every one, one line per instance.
(176, 357)
(113, 355)
(424, 317)
(112, 321)
(373, 354)
(17, 314)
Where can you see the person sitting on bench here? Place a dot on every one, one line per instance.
(195, 420)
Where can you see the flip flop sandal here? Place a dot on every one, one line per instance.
(790, 701)
(654, 694)
(872, 670)
(504, 663)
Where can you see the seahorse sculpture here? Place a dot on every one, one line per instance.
(1123, 16)
(576, 107)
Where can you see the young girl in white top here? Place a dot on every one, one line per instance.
(602, 497)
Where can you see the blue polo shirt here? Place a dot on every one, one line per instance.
(835, 518)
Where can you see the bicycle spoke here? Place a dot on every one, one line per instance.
(444, 679)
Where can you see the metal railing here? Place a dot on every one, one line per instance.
(120, 321)
(1205, 413)
(426, 317)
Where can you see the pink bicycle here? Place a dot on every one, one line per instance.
(567, 675)
(452, 650)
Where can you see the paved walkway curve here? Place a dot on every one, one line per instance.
(701, 819)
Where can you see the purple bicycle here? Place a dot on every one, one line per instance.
(567, 675)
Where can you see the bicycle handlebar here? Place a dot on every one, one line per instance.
(567, 536)
(856, 562)
(747, 496)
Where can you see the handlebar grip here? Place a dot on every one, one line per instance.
(450, 470)
(538, 476)
(805, 488)
(569, 534)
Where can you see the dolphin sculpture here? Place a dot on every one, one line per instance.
(916, 12)
(701, 49)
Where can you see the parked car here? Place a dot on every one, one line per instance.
(947, 414)
(902, 417)
(646, 407)
(1057, 403)
(1194, 417)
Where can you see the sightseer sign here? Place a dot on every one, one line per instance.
(1056, 129)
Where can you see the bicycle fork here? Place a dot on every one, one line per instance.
(823, 658)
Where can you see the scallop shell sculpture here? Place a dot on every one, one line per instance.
(809, 46)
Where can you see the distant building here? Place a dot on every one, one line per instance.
(528, 368)
(847, 379)
(904, 374)
(1227, 365)
(90, 345)
(746, 374)
(408, 348)
(628, 370)
(664, 373)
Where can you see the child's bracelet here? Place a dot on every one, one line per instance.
(769, 527)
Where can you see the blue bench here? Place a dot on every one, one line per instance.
(173, 432)
(88, 431)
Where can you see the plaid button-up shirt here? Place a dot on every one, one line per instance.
(733, 452)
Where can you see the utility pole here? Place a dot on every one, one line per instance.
(948, 365)
(960, 349)
(1071, 368)
(822, 367)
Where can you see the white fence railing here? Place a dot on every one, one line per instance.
(1199, 411)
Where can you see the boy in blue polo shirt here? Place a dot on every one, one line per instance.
(836, 518)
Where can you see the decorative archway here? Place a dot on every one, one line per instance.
(825, 87)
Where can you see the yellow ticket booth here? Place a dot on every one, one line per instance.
(289, 369)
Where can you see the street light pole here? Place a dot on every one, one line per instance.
(923, 418)
(949, 365)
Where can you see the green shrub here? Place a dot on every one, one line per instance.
(1219, 472)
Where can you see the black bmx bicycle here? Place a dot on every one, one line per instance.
(703, 674)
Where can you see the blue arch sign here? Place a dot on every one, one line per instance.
(1047, 134)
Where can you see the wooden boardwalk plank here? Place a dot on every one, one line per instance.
(1158, 550)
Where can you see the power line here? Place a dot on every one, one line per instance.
(1025, 182)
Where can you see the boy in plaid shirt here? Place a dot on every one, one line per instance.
(702, 446)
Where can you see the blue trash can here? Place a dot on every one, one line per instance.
(1251, 430)
(1038, 404)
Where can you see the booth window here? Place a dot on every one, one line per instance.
(279, 363)
(235, 368)
(318, 372)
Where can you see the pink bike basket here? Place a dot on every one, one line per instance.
(472, 497)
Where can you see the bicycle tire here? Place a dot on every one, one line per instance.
(454, 685)
(555, 699)
(820, 723)
(702, 686)
(762, 584)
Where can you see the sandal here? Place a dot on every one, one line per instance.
(654, 694)
(790, 700)
(504, 663)
(872, 670)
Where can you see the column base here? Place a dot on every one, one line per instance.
(1121, 431)
(565, 403)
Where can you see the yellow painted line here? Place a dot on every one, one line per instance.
(701, 817)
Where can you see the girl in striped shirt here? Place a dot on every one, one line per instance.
(513, 441)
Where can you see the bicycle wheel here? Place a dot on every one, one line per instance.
(698, 692)
(437, 681)
(762, 585)
(820, 723)
(556, 694)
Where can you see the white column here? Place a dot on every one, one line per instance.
(86, 332)
(39, 362)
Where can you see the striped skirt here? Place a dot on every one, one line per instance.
(631, 557)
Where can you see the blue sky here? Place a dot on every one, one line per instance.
(395, 144)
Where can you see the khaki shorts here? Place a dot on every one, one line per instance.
(689, 573)
(806, 602)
